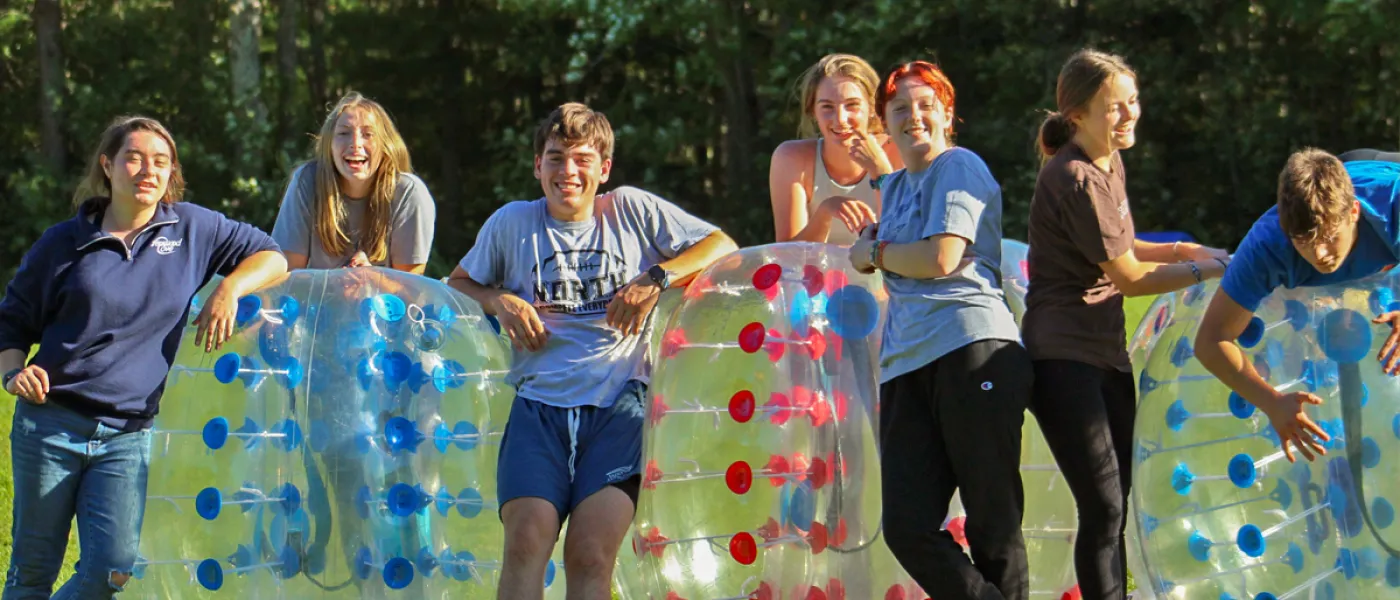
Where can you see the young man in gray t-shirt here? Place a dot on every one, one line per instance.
(572, 278)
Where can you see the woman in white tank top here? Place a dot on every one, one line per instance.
(820, 188)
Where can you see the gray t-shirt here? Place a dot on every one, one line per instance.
(570, 271)
(411, 220)
(929, 318)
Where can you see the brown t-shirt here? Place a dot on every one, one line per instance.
(1079, 218)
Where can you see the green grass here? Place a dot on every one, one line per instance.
(7, 497)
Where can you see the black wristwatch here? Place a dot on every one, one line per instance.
(659, 276)
(5, 381)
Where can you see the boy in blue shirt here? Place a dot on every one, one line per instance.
(573, 277)
(1335, 222)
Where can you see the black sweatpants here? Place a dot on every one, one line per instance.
(1369, 154)
(1086, 414)
(955, 425)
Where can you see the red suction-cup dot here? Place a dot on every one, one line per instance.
(741, 406)
(817, 474)
(781, 408)
(658, 409)
(896, 592)
(1072, 594)
(839, 536)
(672, 342)
(818, 538)
(653, 475)
(770, 530)
(764, 592)
(1025, 270)
(835, 590)
(816, 344)
(767, 276)
(751, 337)
(957, 527)
(743, 548)
(820, 413)
(815, 593)
(674, 596)
(842, 403)
(776, 470)
(739, 477)
(812, 280)
(835, 279)
(775, 346)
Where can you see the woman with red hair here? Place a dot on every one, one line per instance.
(955, 379)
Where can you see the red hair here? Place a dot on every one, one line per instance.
(925, 72)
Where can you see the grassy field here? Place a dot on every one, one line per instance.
(1133, 311)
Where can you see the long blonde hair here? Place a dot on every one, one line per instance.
(393, 162)
(96, 184)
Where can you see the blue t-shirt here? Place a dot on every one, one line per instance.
(929, 318)
(107, 317)
(1266, 259)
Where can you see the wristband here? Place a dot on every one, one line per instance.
(877, 181)
(879, 260)
(5, 381)
(1176, 249)
(1223, 264)
(1195, 271)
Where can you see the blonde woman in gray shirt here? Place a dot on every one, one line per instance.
(357, 203)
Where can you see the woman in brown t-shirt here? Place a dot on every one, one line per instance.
(1083, 259)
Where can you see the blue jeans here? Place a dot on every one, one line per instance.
(66, 464)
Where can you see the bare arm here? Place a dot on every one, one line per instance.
(788, 172)
(485, 296)
(1154, 252)
(296, 261)
(1137, 278)
(695, 258)
(929, 258)
(1215, 348)
(255, 272)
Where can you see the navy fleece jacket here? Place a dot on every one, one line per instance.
(107, 318)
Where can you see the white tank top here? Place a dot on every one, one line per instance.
(823, 187)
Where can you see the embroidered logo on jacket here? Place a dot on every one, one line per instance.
(165, 246)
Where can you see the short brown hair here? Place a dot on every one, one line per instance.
(1314, 195)
(96, 184)
(575, 124)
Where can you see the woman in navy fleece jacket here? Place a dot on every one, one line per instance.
(105, 295)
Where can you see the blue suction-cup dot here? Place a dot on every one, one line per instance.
(442, 437)
(291, 435)
(1370, 453)
(210, 574)
(1325, 591)
(397, 368)
(1392, 572)
(425, 562)
(448, 375)
(1242, 471)
(1177, 415)
(801, 507)
(215, 433)
(443, 501)
(550, 573)
(1395, 426)
(852, 312)
(1149, 524)
(1369, 563)
(457, 566)
(1297, 314)
(466, 434)
(1252, 333)
(242, 557)
(1294, 557)
(1380, 300)
(398, 573)
(362, 563)
(291, 499)
(292, 378)
(1251, 541)
(362, 501)
(1346, 559)
(431, 339)
(1240, 407)
(248, 308)
(388, 307)
(1226, 596)
(800, 313)
(1282, 494)
(208, 503)
(470, 503)
(1265, 596)
(226, 368)
(495, 323)
(403, 500)
(402, 434)
(291, 309)
(1182, 352)
(1146, 383)
(1182, 479)
(290, 563)
(1382, 513)
(1199, 546)
(1344, 336)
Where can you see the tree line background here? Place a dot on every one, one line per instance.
(699, 91)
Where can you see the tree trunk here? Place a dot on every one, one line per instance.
(48, 22)
(245, 29)
(287, 74)
(452, 87)
(316, 78)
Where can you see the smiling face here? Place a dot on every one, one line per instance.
(139, 172)
(1109, 121)
(570, 176)
(355, 150)
(842, 110)
(917, 121)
